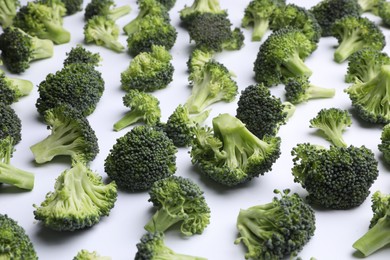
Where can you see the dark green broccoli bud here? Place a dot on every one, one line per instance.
(144, 107)
(198, 58)
(282, 56)
(257, 14)
(19, 49)
(73, 6)
(12, 89)
(8, 9)
(384, 12)
(105, 8)
(189, 209)
(372, 6)
(57, 5)
(41, 21)
(384, 146)
(335, 178)
(152, 247)
(79, 200)
(15, 243)
(168, 4)
(79, 54)
(78, 85)
(328, 11)
(300, 89)
(10, 123)
(332, 122)
(141, 157)
(87, 255)
(71, 135)
(276, 229)
(230, 154)
(356, 33)
(371, 99)
(200, 7)
(149, 71)
(261, 112)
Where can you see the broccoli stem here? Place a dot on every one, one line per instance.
(350, 44)
(16, 177)
(118, 12)
(22, 86)
(161, 221)
(199, 96)
(296, 67)
(314, 91)
(260, 27)
(289, 109)
(42, 48)
(56, 33)
(130, 118)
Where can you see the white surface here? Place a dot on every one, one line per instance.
(117, 235)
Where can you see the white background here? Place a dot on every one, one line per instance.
(117, 235)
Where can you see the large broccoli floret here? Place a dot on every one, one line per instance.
(384, 146)
(8, 9)
(189, 209)
(356, 33)
(79, 54)
(277, 229)
(12, 89)
(371, 6)
(15, 243)
(19, 49)
(87, 255)
(230, 154)
(384, 12)
(10, 123)
(141, 157)
(79, 200)
(149, 71)
(105, 8)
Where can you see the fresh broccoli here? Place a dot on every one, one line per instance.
(57, 5)
(41, 21)
(8, 10)
(78, 85)
(105, 8)
(199, 7)
(371, 6)
(87, 255)
(230, 154)
(149, 71)
(103, 31)
(282, 56)
(15, 243)
(371, 99)
(168, 4)
(79, 54)
(152, 247)
(73, 6)
(12, 89)
(78, 201)
(300, 89)
(189, 209)
(328, 11)
(141, 157)
(144, 107)
(384, 146)
(384, 12)
(276, 229)
(335, 178)
(261, 112)
(356, 33)
(10, 123)
(198, 58)
(71, 135)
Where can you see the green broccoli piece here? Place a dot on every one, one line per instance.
(79, 54)
(8, 10)
(168, 4)
(12, 89)
(356, 33)
(230, 154)
(128, 165)
(73, 6)
(282, 56)
(276, 229)
(87, 255)
(384, 12)
(57, 5)
(10, 123)
(41, 21)
(189, 209)
(19, 49)
(372, 6)
(198, 58)
(384, 146)
(105, 8)
(144, 107)
(149, 71)
(199, 7)
(79, 200)
(15, 243)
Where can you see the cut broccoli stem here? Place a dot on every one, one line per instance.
(296, 67)
(23, 86)
(129, 118)
(56, 33)
(16, 177)
(118, 12)
(314, 91)
(260, 27)
(161, 221)
(289, 109)
(43, 48)
(349, 45)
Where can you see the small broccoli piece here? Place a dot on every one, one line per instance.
(87, 255)
(276, 229)
(189, 209)
(15, 243)
(79, 54)
(41, 21)
(144, 107)
(19, 49)
(10, 123)
(12, 89)
(335, 178)
(198, 58)
(199, 7)
(78, 201)
(282, 56)
(371, 6)
(384, 146)
(149, 71)
(73, 6)
(230, 154)
(105, 8)
(128, 165)
(57, 5)
(371, 99)
(152, 247)
(384, 12)
(168, 4)
(8, 10)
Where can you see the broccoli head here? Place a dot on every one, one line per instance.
(73, 6)
(372, 6)
(384, 12)
(12, 89)
(198, 58)
(10, 123)
(87, 255)
(79, 54)
(276, 229)
(106, 8)
(168, 4)
(8, 9)
(57, 5)
(200, 7)
(384, 146)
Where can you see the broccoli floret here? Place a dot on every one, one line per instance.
(384, 146)
(79, 200)
(10, 123)
(8, 9)
(198, 58)
(168, 4)
(335, 178)
(356, 33)
(12, 89)
(19, 49)
(199, 7)
(141, 157)
(384, 12)
(189, 209)
(282, 56)
(15, 242)
(105, 8)
(276, 229)
(79, 54)
(144, 107)
(371, 6)
(152, 247)
(149, 71)
(78, 85)
(41, 21)
(371, 99)
(73, 6)
(230, 154)
(57, 5)
(87, 255)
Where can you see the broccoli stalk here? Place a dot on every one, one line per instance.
(300, 89)
(8, 9)
(200, 6)
(105, 8)
(12, 89)
(22, 87)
